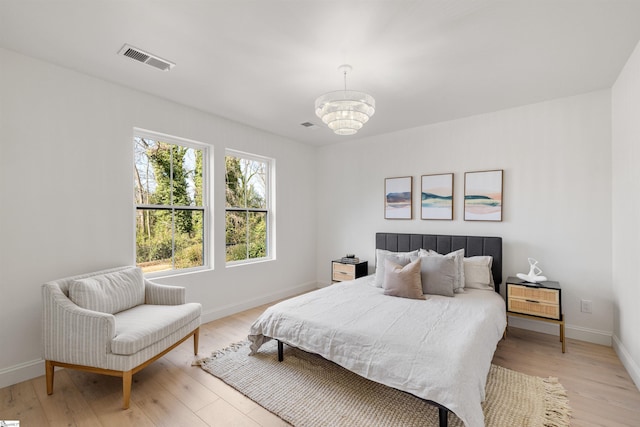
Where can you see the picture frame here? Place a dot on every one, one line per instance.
(483, 195)
(398, 196)
(436, 201)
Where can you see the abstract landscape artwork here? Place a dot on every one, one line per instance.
(483, 196)
(397, 197)
(437, 196)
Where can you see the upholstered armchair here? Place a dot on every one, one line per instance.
(113, 322)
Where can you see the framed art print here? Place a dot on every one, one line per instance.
(397, 197)
(437, 196)
(483, 196)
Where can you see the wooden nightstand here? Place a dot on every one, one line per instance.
(341, 271)
(537, 301)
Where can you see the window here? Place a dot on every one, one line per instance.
(248, 207)
(171, 202)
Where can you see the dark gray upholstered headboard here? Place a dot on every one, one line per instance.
(443, 244)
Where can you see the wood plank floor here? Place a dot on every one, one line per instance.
(171, 392)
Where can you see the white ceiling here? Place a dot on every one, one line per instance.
(263, 62)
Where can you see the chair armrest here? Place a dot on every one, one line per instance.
(157, 294)
(73, 334)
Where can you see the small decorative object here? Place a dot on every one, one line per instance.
(483, 196)
(350, 259)
(534, 275)
(437, 196)
(397, 197)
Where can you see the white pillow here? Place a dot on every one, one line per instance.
(477, 272)
(401, 258)
(109, 293)
(458, 256)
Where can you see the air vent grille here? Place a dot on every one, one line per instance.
(146, 58)
(136, 54)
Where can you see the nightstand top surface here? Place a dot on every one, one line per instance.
(550, 284)
(362, 261)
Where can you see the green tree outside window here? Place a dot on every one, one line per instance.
(247, 207)
(170, 213)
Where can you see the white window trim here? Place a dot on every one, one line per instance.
(207, 153)
(271, 195)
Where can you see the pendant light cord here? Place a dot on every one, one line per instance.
(345, 81)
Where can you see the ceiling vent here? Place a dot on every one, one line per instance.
(146, 58)
(308, 125)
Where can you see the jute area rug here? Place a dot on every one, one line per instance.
(307, 390)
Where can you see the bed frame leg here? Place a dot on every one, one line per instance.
(443, 414)
(280, 351)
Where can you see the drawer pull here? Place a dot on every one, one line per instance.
(530, 300)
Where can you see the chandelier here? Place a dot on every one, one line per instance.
(345, 111)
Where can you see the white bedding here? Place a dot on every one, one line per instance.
(439, 349)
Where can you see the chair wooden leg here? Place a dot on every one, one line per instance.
(196, 337)
(126, 388)
(49, 370)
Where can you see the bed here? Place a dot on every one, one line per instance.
(439, 349)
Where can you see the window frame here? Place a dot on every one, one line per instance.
(205, 208)
(269, 209)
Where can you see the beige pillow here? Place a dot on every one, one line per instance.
(402, 281)
(402, 258)
(477, 272)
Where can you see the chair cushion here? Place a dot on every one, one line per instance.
(144, 325)
(110, 292)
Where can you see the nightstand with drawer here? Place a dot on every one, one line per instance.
(341, 271)
(537, 301)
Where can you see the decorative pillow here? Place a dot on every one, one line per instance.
(402, 281)
(402, 258)
(477, 272)
(110, 292)
(458, 256)
(438, 274)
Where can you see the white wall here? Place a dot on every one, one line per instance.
(66, 192)
(66, 177)
(556, 158)
(626, 214)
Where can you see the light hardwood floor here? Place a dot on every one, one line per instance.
(171, 392)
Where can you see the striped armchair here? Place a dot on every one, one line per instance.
(114, 322)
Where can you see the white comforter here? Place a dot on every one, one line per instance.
(439, 349)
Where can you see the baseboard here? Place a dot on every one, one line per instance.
(594, 336)
(21, 372)
(571, 331)
(627, 361)
(228, 310)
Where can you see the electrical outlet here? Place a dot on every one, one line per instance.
(585, 306)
